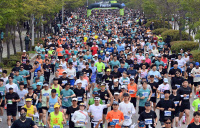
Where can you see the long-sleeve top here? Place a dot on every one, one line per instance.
(81, 116)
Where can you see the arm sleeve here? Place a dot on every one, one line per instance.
(73, 117)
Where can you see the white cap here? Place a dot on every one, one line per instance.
(60, 65)
(186, 53)
(24, 50)
(107, 53)
(74, 99)
(116, 93)
(57, 59)
(143, 58)
(115, 80)
(165, 80)
(79, 81)
(95, 55)
(60, 45)
(74, 57)
(123, 87)
(64, 71)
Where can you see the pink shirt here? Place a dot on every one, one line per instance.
(148, 61)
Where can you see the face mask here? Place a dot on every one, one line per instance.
(23, 116)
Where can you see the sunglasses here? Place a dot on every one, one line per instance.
(131, 80)
(167, 122)
(21, 67)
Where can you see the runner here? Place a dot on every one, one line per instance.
(80, 117)
(2, 91)
(195, 124)
(11, 100)
(31, 110)
(56, 118)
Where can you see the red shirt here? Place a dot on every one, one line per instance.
(94, 50)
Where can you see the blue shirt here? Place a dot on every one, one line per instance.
(120, 48)
(141, 92)
(66, 102)
(111, 49)
(155, 73)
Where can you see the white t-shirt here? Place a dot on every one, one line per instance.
(162, 88)
(84, 83)
(125, 108)
(181, 62)
(71, 73)
(21, 95)
(96, 111)
(196, 73)
(15, 87)
(4, 79)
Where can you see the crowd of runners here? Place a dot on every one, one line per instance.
(102, 71)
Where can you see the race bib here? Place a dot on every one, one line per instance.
(10, 102)
(178, 86)
(56, 126)
(95, 125)
(116, 121)
(186, 98)
(80, 98)
(51, 105)
(197, 75)
(103, 101)
(88, 74)
(176, 102)
(66, 99)
(126, 117)
(64, 81)
(167, 113)
(46, 94)
(131, 91)
(148, 121)
(72, 114)
(145, 94)
(1, 93)
(198, 106)
(153, 95)
(162, 96)
(81, 122)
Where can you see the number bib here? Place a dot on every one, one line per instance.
(131, 91)
(126, 117)
(178, 86)
(153, 95)
(145, 94)
(80, 98)
(148, 121)
(10, 102)
(167, 113)
(56, 126)
(116, 121)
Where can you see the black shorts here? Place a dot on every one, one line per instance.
(176, 114)
(40, 110)
(133, 100)
(184, 106)
(60, 57)
(92, 125)
(141, 109)
(28, 78)
(190, 81)
(196, 83)
(25, 86)
(105, 110)
(45, 108)
(19, 108)
(153, 99)
(2, 104)
(11, 112)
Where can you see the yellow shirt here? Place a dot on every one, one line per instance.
(29, 110)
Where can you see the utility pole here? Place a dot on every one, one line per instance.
(32, 27)
(62, 11)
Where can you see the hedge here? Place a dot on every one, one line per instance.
(159, 30)
(185, 45)
(174, 34)
(158, 24)
(196, 55)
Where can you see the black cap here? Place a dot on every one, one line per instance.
(175, 62)
(166, 91)
(30, 88)
(174, 87)
(115, 66)
(147, 103)
(125, 94)
(55, 78)
(115, 103)
(151, 76)
(185, 80)
(53, 90)
(2, 80)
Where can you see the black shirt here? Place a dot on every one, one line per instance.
(107, 78)
(166, 104)
(193, 125)
(70, 111)
(9, 97)
(176, 100)
(154, 84)
(64, 81)
(151, 115)
(116, 74)
(102, 96)
(47, 68)
(136, 66)
(28, 68)
(172, 71)
(88, 71)
(129, 61)
(79, 93)
(177, 81)
(181, 91)
(29, 123)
